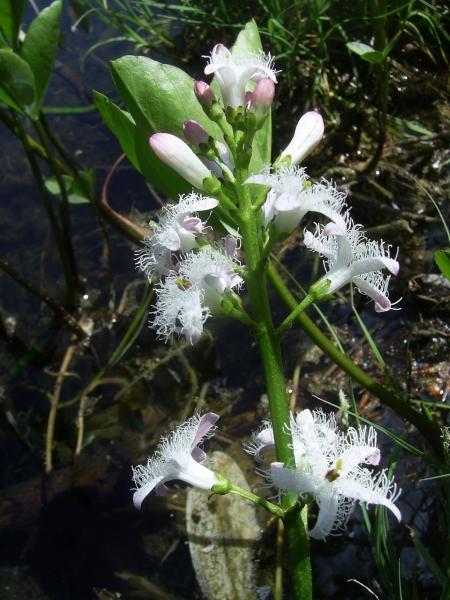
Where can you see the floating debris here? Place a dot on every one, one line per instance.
(222, 532)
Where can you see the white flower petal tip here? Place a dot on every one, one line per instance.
(308, 133)
(233, 73)
(177, 154)
(176, 230)
(351, 257)
(262, 440)
(329, 468)
(292, 196)
(178, 457)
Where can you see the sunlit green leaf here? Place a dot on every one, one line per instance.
(40, 45)
(17, 86)
(53, 187)
(442, 258)
(11, 18)
(159, 98)
(121, 124)
(366, 52)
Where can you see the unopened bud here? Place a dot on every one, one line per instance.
(262, 98)
(204, 94)
(307, 136)
(195, 133)
(177, 154)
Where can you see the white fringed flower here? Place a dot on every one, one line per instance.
(351, 257)
(233, 73)
(178, 457)
(177, 229)
(212, 272)
(292, 196)
(179, 309)
(329, 471)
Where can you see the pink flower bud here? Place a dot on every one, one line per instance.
(262, 98)
(204, 93)
(307, 136)
(195, 133)
(177, 154)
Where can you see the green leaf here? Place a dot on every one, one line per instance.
(442, 258)
(17, 87)
(53, 187)
(40, 46)
(159, 98)
(366, 52)
(247, 41)
(11, 18)
(121, 124)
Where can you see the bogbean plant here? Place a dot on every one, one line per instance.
(212, 155)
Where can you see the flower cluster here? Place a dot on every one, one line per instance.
(200, 276)
(328, 468)
(195, 283)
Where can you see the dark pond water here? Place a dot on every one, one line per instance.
(71, 533)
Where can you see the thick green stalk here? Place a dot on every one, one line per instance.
(269, 345)
(428, 428)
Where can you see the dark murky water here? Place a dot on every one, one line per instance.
(62, 537)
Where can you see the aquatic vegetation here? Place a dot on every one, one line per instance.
(237, 224)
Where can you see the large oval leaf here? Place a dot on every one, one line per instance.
(11, 17)
(40, 45)
(17, 87)
(134, 142)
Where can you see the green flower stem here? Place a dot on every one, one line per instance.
(269, 345)
(295, 522)
(62, 249)
(428, 428)
(236, 313)
(65, 216)
(272, 508)
(285, 326)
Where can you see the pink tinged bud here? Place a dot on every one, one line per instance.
(177, 154)
(204, 93)
(195, 133)
(308, 134)
(262, 98)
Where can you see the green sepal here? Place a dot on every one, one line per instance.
(223, 487)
